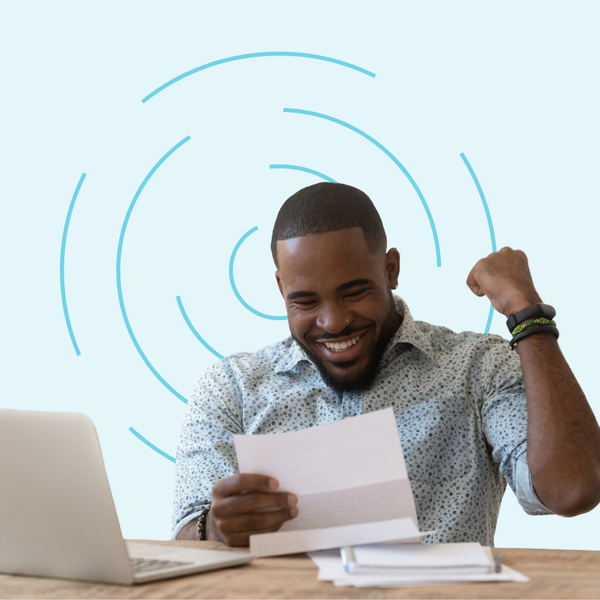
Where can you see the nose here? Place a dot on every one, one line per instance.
(332, 318)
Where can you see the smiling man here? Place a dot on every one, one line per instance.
(343, 324)
(472, 414)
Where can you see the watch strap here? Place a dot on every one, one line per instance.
(535, 311)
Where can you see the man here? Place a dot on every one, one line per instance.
(472, 414)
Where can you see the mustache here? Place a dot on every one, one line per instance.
(348, 331)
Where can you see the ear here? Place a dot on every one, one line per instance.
(392, 267)
(279, 283)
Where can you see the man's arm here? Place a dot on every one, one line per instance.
(563, 437)
(206, 468)
(206, 453)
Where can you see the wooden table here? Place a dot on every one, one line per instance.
(553, 573)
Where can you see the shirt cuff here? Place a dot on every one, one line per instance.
(184, 522)
(526, 495)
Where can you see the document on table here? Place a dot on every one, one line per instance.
(384, 565)
(350, 479)
(469, 558)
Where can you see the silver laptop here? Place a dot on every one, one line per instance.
(57, 515)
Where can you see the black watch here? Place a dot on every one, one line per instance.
(535, 311)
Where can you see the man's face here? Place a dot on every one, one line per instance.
(339, 303)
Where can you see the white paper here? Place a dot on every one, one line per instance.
(304, 540)
(507, 574)
(347, 475)
(331, 569)
(420, 556)
(354, 452)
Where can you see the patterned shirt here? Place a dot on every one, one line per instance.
(459, 402)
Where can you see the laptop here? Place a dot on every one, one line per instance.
(57, 515)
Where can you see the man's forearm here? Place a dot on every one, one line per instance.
(563, 447)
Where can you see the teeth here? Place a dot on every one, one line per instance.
(340, 347)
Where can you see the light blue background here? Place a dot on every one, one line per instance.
(513, 86)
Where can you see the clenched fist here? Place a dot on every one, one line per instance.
(505, 279)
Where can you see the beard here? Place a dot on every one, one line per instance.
(363, 379)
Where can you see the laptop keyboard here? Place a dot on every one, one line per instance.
(143, 565)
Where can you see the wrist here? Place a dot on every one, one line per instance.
(519, 303)
(212, 531)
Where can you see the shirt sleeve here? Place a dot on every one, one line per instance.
(205, 453)
(504, 420)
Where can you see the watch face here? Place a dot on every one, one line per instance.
(549, 312)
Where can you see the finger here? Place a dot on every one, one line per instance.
(472, 281)
(252, 523)
(253, 502)
(237, 539)
(474, 287)
(242, 482)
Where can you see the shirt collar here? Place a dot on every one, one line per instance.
(407, 334)
(292, 356)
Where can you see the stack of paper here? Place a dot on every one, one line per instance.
(385, 565)
(350, 479)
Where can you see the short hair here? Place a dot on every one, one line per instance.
(325, 207)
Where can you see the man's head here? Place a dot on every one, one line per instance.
(335, 276)
(326, 207)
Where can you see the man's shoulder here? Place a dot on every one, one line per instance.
(485, 358)
(435, 339)
(446, 339)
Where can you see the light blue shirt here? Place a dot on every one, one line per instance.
(460, 407)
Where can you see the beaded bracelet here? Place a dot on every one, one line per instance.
(532, 331)
(540, 321)
(201, 527)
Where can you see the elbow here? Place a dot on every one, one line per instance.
(575, 501)
(568, 490)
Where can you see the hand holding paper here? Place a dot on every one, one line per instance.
(247, 504)
(350, 480)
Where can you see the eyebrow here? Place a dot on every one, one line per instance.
(339, 288)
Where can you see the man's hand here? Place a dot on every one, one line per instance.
(245, 504)
(505, 279)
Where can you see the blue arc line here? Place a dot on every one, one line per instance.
(483, 200)
(390, 155)
(193, 330)
(255, 55)
(119, 255)
(305, 170)
(63, 247)
(150, 444)
(234, 287)
(489, 319)
(490, 226)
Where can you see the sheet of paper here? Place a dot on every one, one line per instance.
(348, 475)
(331, 569)
(420, 556)
(304, 540)
(507, 574)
